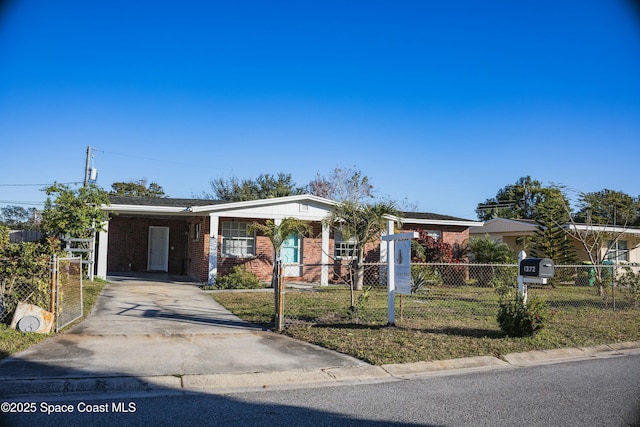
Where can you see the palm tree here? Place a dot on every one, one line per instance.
(278, 233)
(485, 250)
(362, 224)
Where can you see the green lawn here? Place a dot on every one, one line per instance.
(441, 323)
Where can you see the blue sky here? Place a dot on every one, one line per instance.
(441, 104)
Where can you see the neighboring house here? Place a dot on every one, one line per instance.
(516, 233)
(204, 238)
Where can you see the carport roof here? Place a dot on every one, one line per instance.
(184, 206)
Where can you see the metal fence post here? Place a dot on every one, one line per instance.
(279, 296)
(54, 281)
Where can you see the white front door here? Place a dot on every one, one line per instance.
(290, 256)
(158, 249)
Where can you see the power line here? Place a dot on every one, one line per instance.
(39, 185)
(21, 202)
(133, 156)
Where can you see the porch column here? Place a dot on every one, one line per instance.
(324, 258)
(103, 246)
(214, 221)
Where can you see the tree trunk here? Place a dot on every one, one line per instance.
(359, 277)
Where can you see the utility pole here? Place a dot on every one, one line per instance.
(86, 168)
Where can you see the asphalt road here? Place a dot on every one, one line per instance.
(595, 392)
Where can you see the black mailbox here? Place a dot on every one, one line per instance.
(537, 267)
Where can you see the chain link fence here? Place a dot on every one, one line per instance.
(24, 279)
(454, 295)
(68, 281)
(34, 280)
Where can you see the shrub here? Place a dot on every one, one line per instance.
(630, 281)
(423, 276)
(360, 304)
(238, 278)
(504, 285)
(517, 319)
(25, 276)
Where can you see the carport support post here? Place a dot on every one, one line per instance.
(213, 248)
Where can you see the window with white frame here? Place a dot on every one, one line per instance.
(435, 234)
(617, 250)
(195, 234)
(343, 248)
(237, 241)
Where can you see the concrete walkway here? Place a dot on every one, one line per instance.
(152, 335)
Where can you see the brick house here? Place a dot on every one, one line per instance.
(204, 238)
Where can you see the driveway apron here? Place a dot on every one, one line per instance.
(144, 328)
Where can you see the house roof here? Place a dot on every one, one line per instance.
(160, 201)
(506, 226)
(603, 228)
(301, 206)
(187, 207)
(512, 227)
(427, 218)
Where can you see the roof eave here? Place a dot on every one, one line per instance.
(261, 202)
(143, 209)
(458, 223)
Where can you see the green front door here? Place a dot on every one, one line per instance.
(290, 255)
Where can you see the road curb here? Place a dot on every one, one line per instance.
(537, 357)
(64, 386)
(227, 383)
(407, 370)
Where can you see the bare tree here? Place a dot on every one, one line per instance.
(598, 235)
(342, 185)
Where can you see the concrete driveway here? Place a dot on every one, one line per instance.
(163, 332)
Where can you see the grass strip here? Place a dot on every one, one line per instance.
(432, 327)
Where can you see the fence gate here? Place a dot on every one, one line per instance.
(67, 276)
(76, 245)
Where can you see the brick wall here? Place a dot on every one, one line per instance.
(189, 254)
(198, 248)
(129, 244)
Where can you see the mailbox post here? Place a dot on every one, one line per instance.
(533, 270)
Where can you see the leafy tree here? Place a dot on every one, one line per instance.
(608, 207)
(550, 239)
(4, 236)
(137, 188)
(485, 250)
(343, 185)
(74, 212)
(264, 187)
(363, 223)
(522, 200)
(19, 218)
